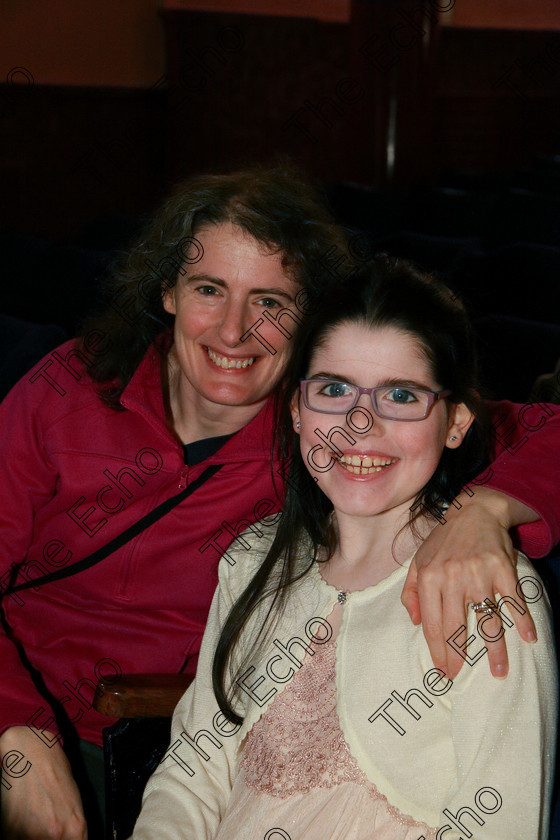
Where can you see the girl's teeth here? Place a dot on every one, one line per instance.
(224, 362)
(364, 465)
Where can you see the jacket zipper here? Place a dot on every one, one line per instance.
(183, 478)
(131, 565)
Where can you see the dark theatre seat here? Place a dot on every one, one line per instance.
(22, 345)
(135, 745)
(49, 283)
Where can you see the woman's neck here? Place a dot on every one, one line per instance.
(191, 417)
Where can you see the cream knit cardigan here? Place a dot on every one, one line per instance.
(476, 753)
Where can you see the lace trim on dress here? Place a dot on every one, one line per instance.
(298, 744)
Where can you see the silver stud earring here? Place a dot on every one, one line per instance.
(453, 437)
(298, 424)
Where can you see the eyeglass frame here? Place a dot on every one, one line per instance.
(433, 397)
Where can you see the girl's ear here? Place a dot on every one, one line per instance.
(168, 300)
(459, 422)
(294, 411)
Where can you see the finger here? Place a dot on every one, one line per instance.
(491, 629)
(528, 590)
(430, 600)
(409, 595)
(454, 617)
(76, 826)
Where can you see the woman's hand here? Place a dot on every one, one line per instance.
(468, 558)
(43, 803)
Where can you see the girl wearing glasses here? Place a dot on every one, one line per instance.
(316, 711)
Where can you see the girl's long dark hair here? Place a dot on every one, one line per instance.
(278, 206)
(384, 292)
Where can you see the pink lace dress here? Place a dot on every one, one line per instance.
(298, 779)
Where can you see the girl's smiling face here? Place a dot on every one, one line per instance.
(403, 455)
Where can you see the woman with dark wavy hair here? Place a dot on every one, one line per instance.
(322, 715)
(276, 209)
(176, 377)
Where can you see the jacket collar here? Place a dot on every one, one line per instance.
(144, 395)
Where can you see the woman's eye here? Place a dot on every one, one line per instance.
(268, 303)
(401, 395)
(207, 291)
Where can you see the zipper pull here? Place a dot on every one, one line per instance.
(183, 478)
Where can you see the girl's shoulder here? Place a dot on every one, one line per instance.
(244, 556)
(539, 658)
(530, 590)
(248, 551)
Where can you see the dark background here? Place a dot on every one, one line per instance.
(434, 126)
(181, 90)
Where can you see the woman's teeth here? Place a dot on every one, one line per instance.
(364, 465)
(224, 362)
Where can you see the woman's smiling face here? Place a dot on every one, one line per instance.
(395, 458)
(216, 302)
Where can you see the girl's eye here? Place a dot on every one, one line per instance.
(336, 389)
(401, 395)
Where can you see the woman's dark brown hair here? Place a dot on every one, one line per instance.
(277, 206)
